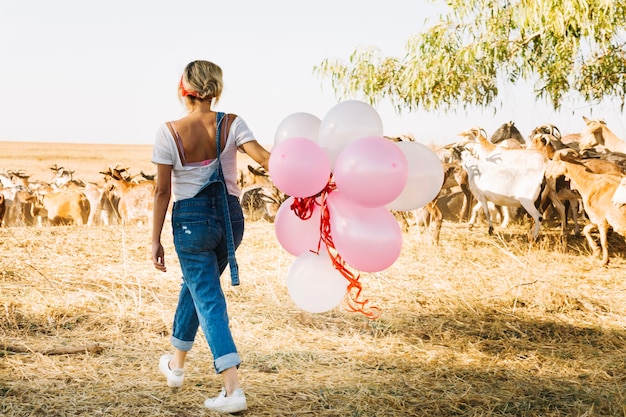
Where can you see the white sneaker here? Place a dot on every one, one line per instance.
(232, 404)
(175, 377)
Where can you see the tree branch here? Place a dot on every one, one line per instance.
(92, 347)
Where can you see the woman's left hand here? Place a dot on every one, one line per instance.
(158, 257)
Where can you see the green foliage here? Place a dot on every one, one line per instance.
(567, 46)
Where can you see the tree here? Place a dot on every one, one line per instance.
(567, 48)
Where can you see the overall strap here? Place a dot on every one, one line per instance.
(218, 121)
(230, 241)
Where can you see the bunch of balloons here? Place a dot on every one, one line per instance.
(343, 178)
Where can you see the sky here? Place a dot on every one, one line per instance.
(106, 72)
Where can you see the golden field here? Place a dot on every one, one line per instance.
(475, 326)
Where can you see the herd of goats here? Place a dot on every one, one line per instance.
(579, 178)
(119, 198)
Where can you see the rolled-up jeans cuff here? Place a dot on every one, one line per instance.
(227, 361)
(181, 344)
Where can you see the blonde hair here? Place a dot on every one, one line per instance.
(201, 80)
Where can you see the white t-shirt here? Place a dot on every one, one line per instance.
(188, 180)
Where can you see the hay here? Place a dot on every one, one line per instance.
(471, 327)
(478, 326)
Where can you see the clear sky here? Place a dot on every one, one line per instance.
(107, 72)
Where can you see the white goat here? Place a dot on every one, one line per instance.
(506, 179)
(522, 159)
(619, 197)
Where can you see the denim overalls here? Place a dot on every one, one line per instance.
(206, 233)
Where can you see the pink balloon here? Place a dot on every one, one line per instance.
(371, 171)
(368, 239)
(295, 235)
(314, 284)
(298, 125)
(424, 180)
(346, 122)
(299, 167)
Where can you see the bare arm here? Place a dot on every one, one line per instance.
(257, 152)
(162, 197)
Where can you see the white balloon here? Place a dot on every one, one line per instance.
(314, 284)
(298, 125)
(346, 122)
(425, 177)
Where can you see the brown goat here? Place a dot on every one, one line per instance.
(597, 191)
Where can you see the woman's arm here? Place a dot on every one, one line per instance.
(162, 197)
(257, 152)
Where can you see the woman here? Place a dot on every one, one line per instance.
(207, 223)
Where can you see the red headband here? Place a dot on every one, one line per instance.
(184, 92)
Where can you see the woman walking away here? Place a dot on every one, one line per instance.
(196, 158)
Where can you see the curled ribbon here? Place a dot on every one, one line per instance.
(303, 208)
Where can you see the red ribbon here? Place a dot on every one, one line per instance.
(184, 92)
(303, 208)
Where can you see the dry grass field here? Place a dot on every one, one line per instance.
(477, 326)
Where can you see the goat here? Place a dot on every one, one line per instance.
(261, 202)
(597, 191)
(454, 176)
(476, 139)
(136, 200)
(18, 206)
(619, 197)
(260, 199)
(505, 184)
(596, 133)
(62, 207)
(523, 159)
(508, 136)
(558, 184)
(2, 208)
